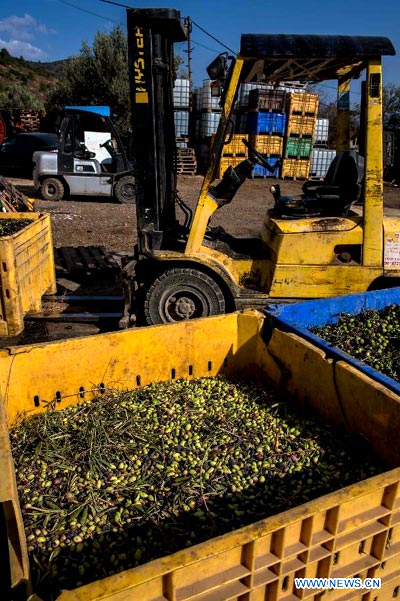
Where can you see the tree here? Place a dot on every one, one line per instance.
(17, 96)
(4, 55)
(98, 75)
(391, 106)
(178, 67)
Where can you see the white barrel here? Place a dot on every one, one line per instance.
(321, 131)
(209, 124)
(181, 93)
(321, 158)
(181, 123)
(209, 102)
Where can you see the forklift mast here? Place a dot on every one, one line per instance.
(151, 35)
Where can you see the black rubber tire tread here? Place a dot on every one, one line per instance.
(58, 187)
(120, 193)
(176, 277)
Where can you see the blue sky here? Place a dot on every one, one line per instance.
(54, 29)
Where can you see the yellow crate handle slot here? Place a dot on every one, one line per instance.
(17, 563)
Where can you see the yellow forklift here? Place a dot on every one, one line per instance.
(310, 246)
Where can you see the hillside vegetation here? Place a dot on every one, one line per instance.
(26, 84)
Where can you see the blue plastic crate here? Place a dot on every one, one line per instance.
(259, 171)
(266, 123)
(299, 317)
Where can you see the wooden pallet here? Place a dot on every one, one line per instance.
(11, 199)
(84, 260)
(30, 119)
(186, 163)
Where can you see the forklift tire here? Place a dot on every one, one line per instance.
(180, 294)
(52, 189)
(124, 190)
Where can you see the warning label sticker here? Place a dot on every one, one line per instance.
(392, 250)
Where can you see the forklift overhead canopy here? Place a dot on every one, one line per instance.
(98, 110)
(164, 20)
(294, 57)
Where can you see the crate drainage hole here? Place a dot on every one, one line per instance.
(173, 373)
(58, 396)
(36, 400)
(81, 392)
(209, 365)
(396, 591)
(285, 582)
(138, 380)
(102, 388)
(190, 370)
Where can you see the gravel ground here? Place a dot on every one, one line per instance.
(84, 221)
(97, 222)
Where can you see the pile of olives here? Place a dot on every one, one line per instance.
(12, 226)
(131, 476)
(372, 336)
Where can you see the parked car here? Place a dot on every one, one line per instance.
(16, 151)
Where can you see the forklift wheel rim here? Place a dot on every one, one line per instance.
(180, 294)
(183, 303)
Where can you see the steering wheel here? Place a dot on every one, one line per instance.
(104, 145)
(109, 147)
(259, 157)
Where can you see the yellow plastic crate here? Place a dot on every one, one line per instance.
(235, 146)
(295, 168)
(269, 144)
(301, 125)
(303, 103)
(351, 532)
(27, 271)
(225, 162)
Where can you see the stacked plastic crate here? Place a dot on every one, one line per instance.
(242, 107)
(301, 112)
(321, 156)
(210, 111)
(266, 124)
(207, 116)
(234, 152)
(181, 112)
(186, 157)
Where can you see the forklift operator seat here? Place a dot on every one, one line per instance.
(333, 196)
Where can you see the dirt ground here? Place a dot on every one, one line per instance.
(91, 222)
(84, 221)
